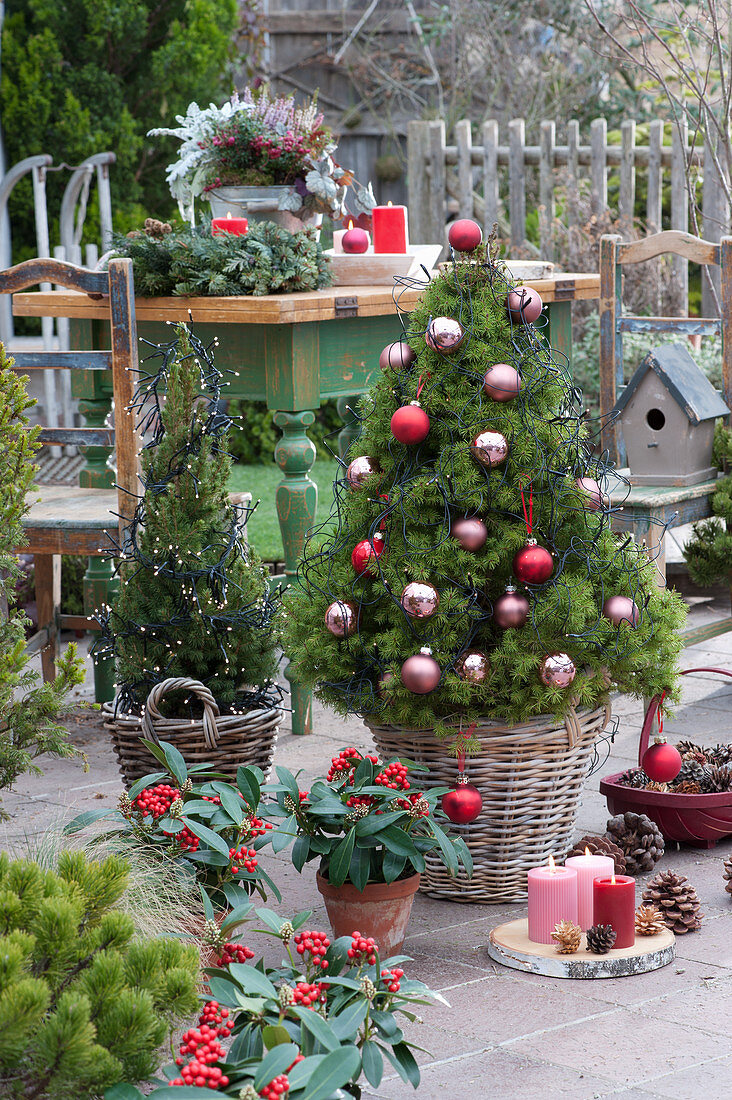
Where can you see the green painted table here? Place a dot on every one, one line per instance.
(292, 351)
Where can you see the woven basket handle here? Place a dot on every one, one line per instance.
(151, 713)
(656, 702)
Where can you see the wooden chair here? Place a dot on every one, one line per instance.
(69, 519)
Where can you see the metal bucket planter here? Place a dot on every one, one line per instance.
(259, 204)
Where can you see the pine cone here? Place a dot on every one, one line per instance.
(639, 838)
(600, 938)
(720, 778)
(688, 746)
(687, 787)
(600, 846)
(662, 788)
(157, 229)
(567, 936)
(648, 921)
(697, 755)
(676, 898)
(727, 875)
(691, 771)
(634, 777)
(719, 755)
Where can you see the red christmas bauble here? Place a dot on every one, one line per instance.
(398, 356)
(534, 564)
(465, 235)
(557, 670)
(444, 334)
(341, 618)
(596, 499)
(511, 610)
(464, 804)
(410, 424)
(471, 533)
(365, 553)
(360, 470)
(524, 305)
(421, 673)
(661, 762)
(502, 382)
(420, 599)
(490, 448)
(472, 666)
(355, 240)
(621, 609)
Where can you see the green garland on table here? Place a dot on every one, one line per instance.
(191, 263)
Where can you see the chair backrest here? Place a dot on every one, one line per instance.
(115, 285)
(614, 254)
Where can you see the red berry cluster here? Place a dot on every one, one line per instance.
(277, 1088)
(314, 943)
(360, 800)
(345, 761)
(391, 978)
(211, 798)
(395, 777)
(406, 804)
(234, 953)
(186, 839)
(246, 856)
(156, 801)
(258, 827)
(310, 994)
(201, 1045)
(362, 949)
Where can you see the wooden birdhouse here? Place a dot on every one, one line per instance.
(667, 413)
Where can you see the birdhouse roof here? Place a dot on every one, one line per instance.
(684, 380)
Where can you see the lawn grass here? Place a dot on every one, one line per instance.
(261, 481)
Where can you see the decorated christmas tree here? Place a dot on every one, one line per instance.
(472, 572)
(194, 598)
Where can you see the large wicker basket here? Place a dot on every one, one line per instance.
(530, 777)
(226, 741)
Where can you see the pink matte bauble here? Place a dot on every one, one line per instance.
(398, 356)
(464, 804)
(355, 240)
(557, 670)
(341, 618)
(421, 673)
(470, 533)
(524, 305)
(511, 610)
(444, 334)
(593, 492)
(410, 424)
(365, 553)
(661, 762)
(360, 470)
(465, 235)
(502, 382)
(533, 565)
(490, 448)
(386, 684)
(472, 666)
(621, 609)
(420, 599)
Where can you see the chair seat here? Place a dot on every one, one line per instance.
(62, 515)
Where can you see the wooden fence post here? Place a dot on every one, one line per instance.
(436, 208)
(490, 175)
(517, 181)
(464, 139)
(611, 345)
(715, 222)
(626, 198)
(573, 142)
(546, 190)
(680, 204)
(417, 181)
(598, 165)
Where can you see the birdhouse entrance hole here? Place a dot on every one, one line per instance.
(655, 419)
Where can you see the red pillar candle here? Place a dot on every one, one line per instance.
(614, 903)
(389, 224)
(236, 226)
(552, 897)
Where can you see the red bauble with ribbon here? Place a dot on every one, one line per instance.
(366, 553)
(465, 803)
(533, 564)
(661, 762)
(410, 424)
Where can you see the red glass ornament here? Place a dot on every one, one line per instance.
(621, 609)
(661, 762)
(465, 235)
(596, 499)
(464, 804)
(420, 599)
(502, 382)
(444, 334)
(472, 666)
(490, 448)
(421, 673)
(511, 610)
(355, 240)
(341, 618)
(557, 670)
(365, 554)
(524, 305)
(398, 356)
(534, 564)
(410, 424)
(471, 533)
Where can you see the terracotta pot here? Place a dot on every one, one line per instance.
(381, 910)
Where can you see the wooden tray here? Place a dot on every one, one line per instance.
(380, 268)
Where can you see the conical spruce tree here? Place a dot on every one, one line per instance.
(193, 599)
(708, 552)
(507, 459)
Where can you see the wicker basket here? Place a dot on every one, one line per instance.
(530, 777)
(225, 741)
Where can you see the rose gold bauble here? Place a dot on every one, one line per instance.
(596, 499)
(471, 533)
(421, 673)
(464, 804)
(511, 610)
(490, 448)
(341, 618)
(398, 356)
(524, 305)
(557, 670)
(472, 666)
(444, 334)
(502, 382)
(420, 599)
(360, 470)
(534, 564)
(621, 609)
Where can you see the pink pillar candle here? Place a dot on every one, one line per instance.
(588, 868)
(615, 904)
(389, 225)
(552, 897)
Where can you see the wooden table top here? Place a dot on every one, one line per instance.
(312, 305)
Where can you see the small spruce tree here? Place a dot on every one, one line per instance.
(708, 552)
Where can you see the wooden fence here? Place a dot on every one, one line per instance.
(492, 182)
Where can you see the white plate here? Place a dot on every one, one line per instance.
(380, 268)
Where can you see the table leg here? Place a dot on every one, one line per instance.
(100, 587)
(559, 329)
(297, 499)
(351, 426)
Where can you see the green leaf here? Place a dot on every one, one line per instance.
(170, 824)
(337, 1069)
(175, 762)
(270, 919)
(204, 833)
(275, 1062)
(230, 801)
(373, 1063)
(157, 752)
(208, 909)
(464, 855)
(284, 834)
(448, 852)
(81, 821)
(123, 1091)
(274, 1035)
(341, 860)
(249, 785)
(236, 917)
(252, 980)
(300, 852)
(287, 779)
(180, 1092)
(222, 989)
(403, 1057)
(358, 872)
(373, 824)
(393, 866)
(384, 1021)
(399, 842)
(318, 1027)
(347, 1022)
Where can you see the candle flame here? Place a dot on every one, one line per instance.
(228, 213)
(587, 851)
(389, 203)
(552, 864)
(350, 223)
(612, 880)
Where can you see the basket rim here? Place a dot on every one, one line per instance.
(549, 721)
